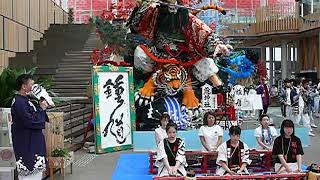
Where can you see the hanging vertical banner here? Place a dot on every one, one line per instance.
(113, 107)
(209, 100)
(238, 92)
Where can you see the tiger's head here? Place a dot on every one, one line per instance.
(171, 78)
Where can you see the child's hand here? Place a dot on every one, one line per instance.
(289, 170)
(232, 173)
(173, 170)
(298, 170)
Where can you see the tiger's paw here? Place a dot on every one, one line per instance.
(142, 100)
(190, 100)
(193, 113)
(145, 94)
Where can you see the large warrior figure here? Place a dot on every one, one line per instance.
(176, 46)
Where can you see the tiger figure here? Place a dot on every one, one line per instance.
(169, 80)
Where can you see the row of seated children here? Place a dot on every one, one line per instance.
(233, 155)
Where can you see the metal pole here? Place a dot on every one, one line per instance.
(271, 61)
(251, 12)
(318, 68)
(74, 9)
(284, 60)
(91, 9)
(237, 11)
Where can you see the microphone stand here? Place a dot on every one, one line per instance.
(225, 96)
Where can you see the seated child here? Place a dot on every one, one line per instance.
(287, 149)
(265, 134)
(171, 160)
(210, 133)
(233, 155)
(160, 132)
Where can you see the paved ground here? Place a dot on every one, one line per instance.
(101, 167)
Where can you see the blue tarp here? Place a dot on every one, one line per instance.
(132, 166)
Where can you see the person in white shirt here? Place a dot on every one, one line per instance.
(265, 134)
(210, 133)
(160, 132)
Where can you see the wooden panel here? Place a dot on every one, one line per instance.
(44, 16)
(58, 15)
(54, 132)
(10, 35)
(22, 11)
(22, 39)
(6, 34)
(1, 32)
(33, 35)
(6, 8)
(50, 12)
(21, 14)
(34, 14)
(65, 18)
(4, 59)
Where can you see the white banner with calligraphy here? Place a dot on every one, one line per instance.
(113, 108)
(209, 100)
(250, 102)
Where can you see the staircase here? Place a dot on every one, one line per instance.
(64, 54)
(72, 81)
(73, 75)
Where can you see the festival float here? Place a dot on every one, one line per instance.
(159, 57)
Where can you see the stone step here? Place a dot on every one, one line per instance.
(75, 65)
(86, 72)
(75, 60)
(77, 143)
(70, 83)
(72, 79)
(76, 56)
(78, 63)
(81, 120)
(76, 132)
(77, 113)
(72, 94)
(90, 47)
(73, 70)
(71, 86)
(74, 74)
(58, 91)
(67, 108)
(79, 52)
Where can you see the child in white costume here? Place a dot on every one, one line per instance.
(171, 159)
(233, 155)
(160, 132)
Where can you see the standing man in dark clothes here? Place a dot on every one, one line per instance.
(284, 99)
(28, 140)
(264, 91)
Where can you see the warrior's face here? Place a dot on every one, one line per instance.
(171, 9)
(170, 1)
